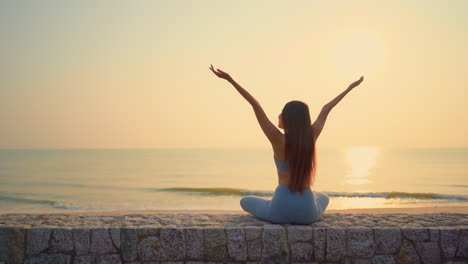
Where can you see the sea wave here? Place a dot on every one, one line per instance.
(19, 199)
(213, 191)
(241, 192)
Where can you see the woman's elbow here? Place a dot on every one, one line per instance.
(327, 108)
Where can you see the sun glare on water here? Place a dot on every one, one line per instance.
(361, 161)
(355, 53)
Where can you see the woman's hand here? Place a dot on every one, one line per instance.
(220, 73)
(356, 83)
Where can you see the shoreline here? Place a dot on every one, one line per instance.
(412, 210)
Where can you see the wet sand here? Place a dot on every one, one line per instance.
(414, 210)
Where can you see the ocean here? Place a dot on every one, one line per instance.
(60, 180)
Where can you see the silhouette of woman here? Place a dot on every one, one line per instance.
(294, 154)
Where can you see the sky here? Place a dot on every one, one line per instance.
(135, 74)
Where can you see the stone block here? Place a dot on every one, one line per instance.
(252, 232)
(254, 249)
(387, 240)
(45, 258)
(336, 244)
(275, 244)
(81, 240)
(61, 240)
(108, 259)
(115, 236)
(150, 249)
(129, 243)
(319, 243)
(37, 240)
(173, 243)
(101, 243)
(415, 234)
(383, 259)
(148, 230)
(202, 262)
(302, 251)
(360, 243)
(407, 253)
(12, 245)
(253, 237)
(215, 244)
(434, 234)
(237, 246)
(463, 244)
(297, 233)
(429, 252)
(449, 241)
(194, 243)
(85, 259)
(361, 261)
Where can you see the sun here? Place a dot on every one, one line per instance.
(356, 52)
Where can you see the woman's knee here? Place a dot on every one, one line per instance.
(324, 195)
(254, 205)
(327, 201)
(324, 199)
(244, 202)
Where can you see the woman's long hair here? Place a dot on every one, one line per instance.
(300, 145)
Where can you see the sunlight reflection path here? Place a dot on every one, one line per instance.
(362, 160)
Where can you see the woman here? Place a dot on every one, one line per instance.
(293, 201)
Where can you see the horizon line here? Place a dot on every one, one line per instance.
(225, 147)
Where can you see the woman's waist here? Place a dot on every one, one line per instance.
(286, 188)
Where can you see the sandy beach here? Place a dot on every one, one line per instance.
(415, 210)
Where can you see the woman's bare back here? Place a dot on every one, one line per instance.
(279, 151)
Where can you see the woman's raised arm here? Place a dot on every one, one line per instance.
(317, 126)
(269, 129)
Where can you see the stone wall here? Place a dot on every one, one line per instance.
(35, 241)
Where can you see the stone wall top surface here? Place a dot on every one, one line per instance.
(345, 220)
